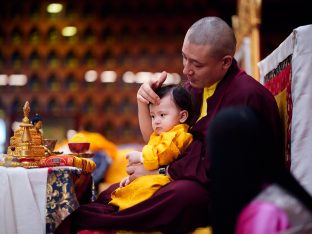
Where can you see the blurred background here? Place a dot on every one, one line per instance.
(80, 63)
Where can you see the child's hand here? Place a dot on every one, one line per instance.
(134, 157)
(125, 181)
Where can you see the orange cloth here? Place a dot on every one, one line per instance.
(117, 170)
(99, 143)
(165, 148)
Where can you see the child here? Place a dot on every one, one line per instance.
(170, 137)
(37, 123)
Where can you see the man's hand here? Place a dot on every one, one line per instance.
(136, 170)
(146, 92)
(145, 96)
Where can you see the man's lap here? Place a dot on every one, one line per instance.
(181, 205)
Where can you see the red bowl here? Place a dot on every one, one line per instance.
(79, 148)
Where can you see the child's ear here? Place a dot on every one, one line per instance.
(183, 116)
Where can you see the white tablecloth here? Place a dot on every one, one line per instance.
(23, 200)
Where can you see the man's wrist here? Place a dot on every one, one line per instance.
(162, 170)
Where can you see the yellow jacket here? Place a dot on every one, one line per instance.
(163, 149)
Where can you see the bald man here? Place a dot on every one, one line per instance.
(215, 81)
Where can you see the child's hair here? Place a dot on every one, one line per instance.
(181, 97)
(36, 119)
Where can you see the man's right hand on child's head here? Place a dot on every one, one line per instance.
(146, 92)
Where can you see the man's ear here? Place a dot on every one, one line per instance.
(183, 116)
(227, 61)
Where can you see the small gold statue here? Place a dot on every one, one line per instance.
(27, 142)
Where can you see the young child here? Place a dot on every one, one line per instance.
(170, 121)
(36, 121)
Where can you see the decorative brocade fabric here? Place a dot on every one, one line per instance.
(278, 81)
(61, 198)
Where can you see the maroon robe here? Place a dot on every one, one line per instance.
(182, 205)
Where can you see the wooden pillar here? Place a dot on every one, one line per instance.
(246, 25)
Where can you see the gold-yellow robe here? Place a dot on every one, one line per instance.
(161, 150)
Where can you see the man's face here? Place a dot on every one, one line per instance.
(200, 69)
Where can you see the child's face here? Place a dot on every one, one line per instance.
(38, 124)
(165, 115)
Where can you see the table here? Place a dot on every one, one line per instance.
(37, 200)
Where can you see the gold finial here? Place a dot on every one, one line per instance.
(26, 110)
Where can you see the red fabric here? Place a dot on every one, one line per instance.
(280, 81)
(276, 85)
(55, 160)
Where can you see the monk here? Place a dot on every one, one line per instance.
(215, 82)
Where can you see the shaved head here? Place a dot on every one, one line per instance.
(214, 32)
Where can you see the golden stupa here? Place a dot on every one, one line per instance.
(26, 145)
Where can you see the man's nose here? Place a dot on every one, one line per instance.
(187, 69)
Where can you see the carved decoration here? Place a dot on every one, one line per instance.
(246, 24)
(26, 143)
